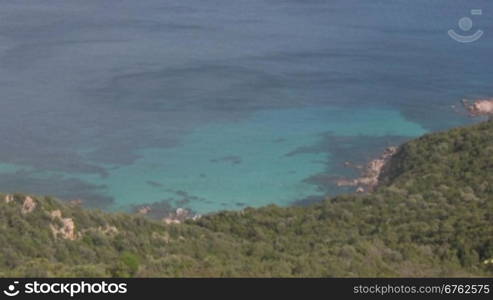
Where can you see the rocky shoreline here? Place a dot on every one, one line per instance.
(479, 107)
(370, 176)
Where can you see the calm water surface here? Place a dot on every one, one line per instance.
(223, 104)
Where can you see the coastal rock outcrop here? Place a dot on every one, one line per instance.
(67, 228)
(371, 173)
(179, 216)
(28, 205)
(9, 198)
(480, 107)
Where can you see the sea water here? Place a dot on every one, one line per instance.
(213, 105)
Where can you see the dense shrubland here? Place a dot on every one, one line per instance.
(431, 216)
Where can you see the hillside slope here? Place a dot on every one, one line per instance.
(431, 216)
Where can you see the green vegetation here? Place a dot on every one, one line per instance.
(431, 216)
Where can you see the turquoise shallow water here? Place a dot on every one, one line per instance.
(230, 165)
(246, 163)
